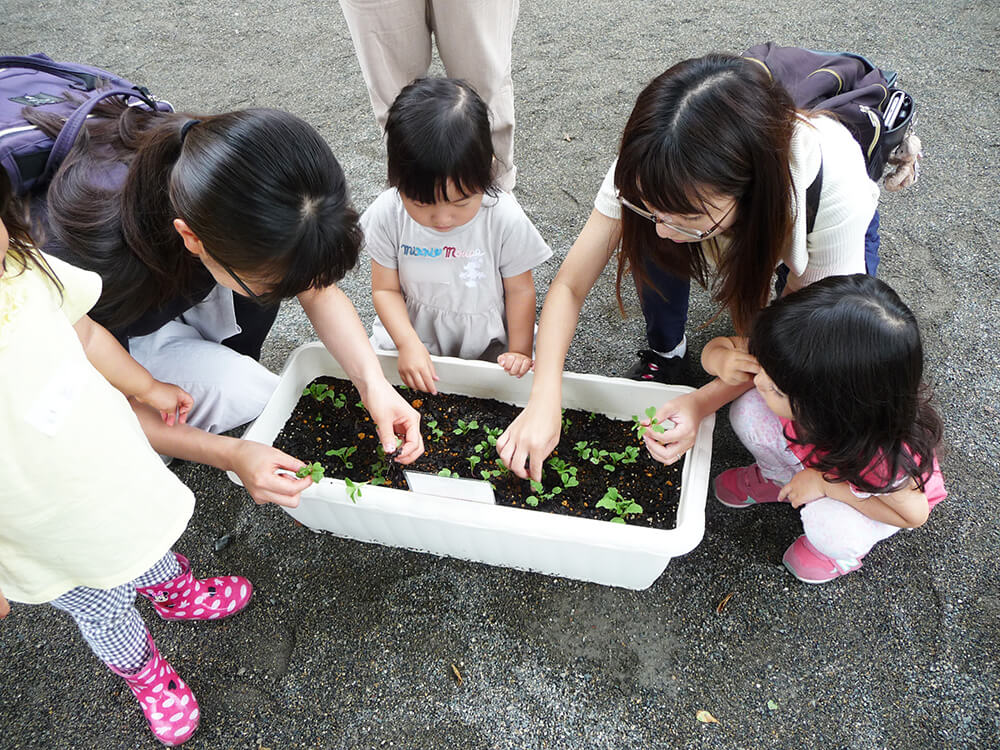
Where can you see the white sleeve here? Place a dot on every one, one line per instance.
(606, 201)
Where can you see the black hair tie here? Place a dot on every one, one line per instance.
(186, 127)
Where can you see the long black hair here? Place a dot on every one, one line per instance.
(711, 126)
(259, 187)
(438, 129)
(847, 353)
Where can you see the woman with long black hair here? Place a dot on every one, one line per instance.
(710, 184)
(199, 226)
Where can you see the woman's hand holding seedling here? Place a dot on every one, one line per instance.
(171, 401)
(416, 368)
(393, 416)
(515, 364)
(671, 441)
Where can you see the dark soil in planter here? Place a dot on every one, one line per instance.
(339, 421)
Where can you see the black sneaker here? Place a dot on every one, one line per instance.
(656, 368)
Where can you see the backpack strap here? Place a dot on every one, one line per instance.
(812, 199)
(74, 124)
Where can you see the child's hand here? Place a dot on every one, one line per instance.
(416, 368)
(4, 606)
(172, 402)
(806, 486)
(728, 359)
(669, 446)
(515, 363)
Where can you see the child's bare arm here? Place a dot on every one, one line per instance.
(415, 366)
(519, 301)
(727, 358)
(906, 508)
(117, 366)
(4, 606)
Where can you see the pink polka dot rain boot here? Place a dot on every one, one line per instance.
(166, 700)
(188, 598)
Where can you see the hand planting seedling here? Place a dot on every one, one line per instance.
(619, 505)
(654, 424)
(343, 454)
(314, 471)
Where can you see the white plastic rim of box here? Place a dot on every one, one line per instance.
(611, 554)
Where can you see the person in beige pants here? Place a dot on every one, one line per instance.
(392, 39)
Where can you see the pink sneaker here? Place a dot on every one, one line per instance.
(167, 702)
(743, 487)
(809, 565)
(188, 598)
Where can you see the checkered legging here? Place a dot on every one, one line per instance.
(109, 621)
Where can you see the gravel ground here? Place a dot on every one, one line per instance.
(350, 645)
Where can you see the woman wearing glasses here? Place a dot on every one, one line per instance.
(198, 229)
(710, 184)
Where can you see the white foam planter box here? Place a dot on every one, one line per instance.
(585, 549)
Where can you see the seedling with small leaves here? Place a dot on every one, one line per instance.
(314, 471)
(464, 427)
(318, 391)
(436, 432)
(567, 473)
(354, 489)
(343, 454)
(473, 460)
(447, 473)
(620, 506)
(540, 493)
(654, 423)
(566, 421)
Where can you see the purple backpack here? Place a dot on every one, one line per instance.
(72, 91)
(864, 97)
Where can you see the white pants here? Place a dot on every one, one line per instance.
(229, 389)
(392, 39)
(834, 528)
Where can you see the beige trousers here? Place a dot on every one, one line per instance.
(392, 39)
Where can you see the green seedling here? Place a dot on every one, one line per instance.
(464, 427)
(540, 493)
(654, 424)
(436, 432)
(592, 453)
(566, 421)
(343, 454)
(620, 506)
(354, 489)
(473, 460)
(567, 473)
(318, 391)
(447, 473)
(340, 400)
(360, 404)
(314, 471)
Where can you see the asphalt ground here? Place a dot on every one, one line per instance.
(349, 645)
